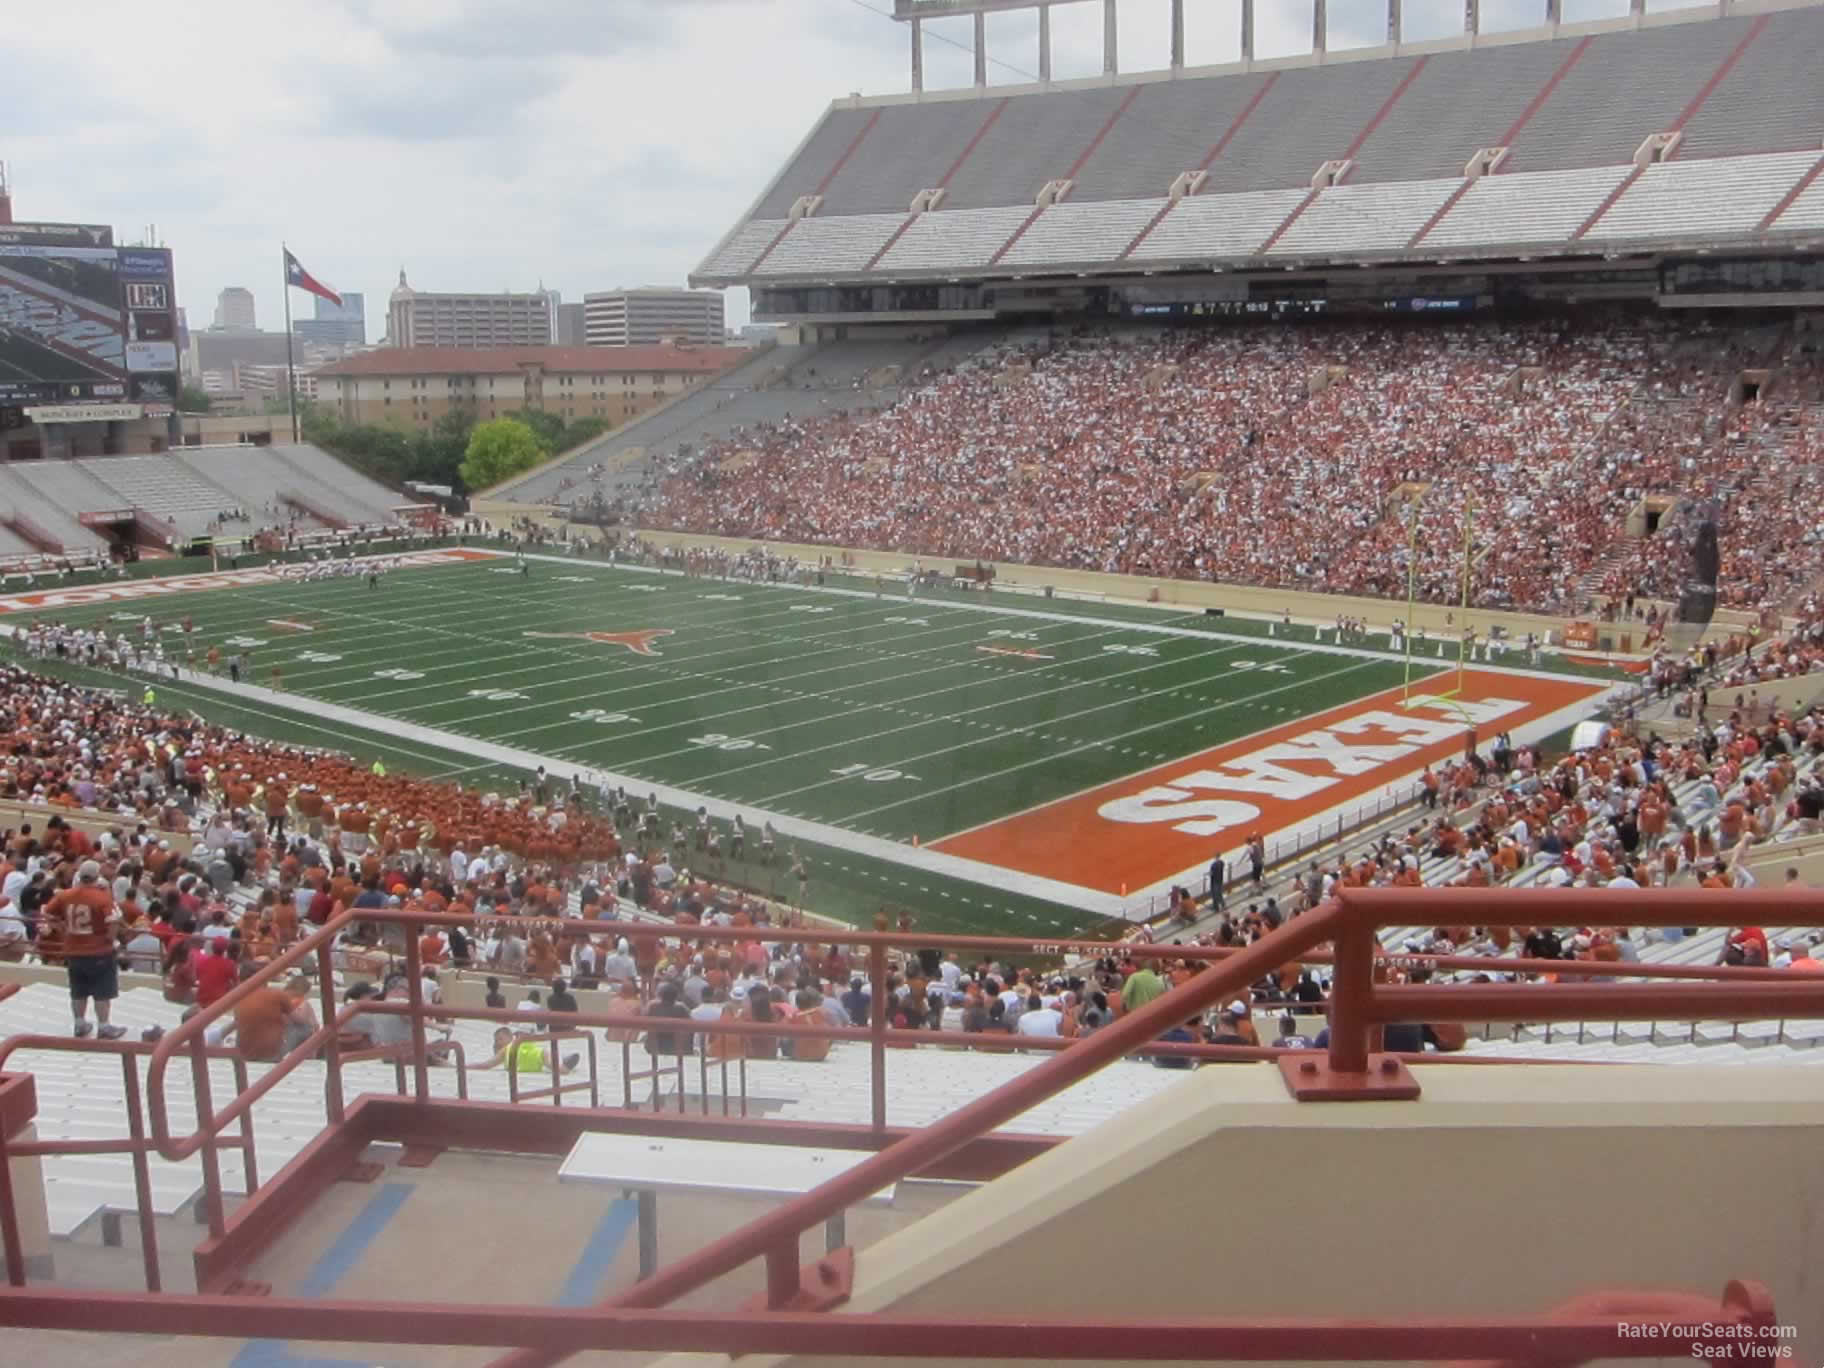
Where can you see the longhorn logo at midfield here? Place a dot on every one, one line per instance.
(639, 642)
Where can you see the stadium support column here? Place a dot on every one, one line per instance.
(1320, 26)
(1393, 22)
(1110, 62)
(981, 49)
(918, 54)
(1472, 17)
(1177, 35)
(1045, 44)
(1247, 30)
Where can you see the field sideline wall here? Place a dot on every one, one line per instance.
(1191, 595)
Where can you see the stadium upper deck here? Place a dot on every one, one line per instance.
(1581, 139)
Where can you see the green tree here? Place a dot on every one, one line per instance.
(498, 450)
(548, 428)
(583, 430)
(191, 399)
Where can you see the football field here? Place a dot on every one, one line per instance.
(1073, 752)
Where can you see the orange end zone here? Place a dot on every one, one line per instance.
(1153, 825)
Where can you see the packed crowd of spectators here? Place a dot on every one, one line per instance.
(1295, 458)
(285, 839)
(1761, 472)
(1629, 813)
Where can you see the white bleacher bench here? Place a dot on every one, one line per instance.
(650, 1165)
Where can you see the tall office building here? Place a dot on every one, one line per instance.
(651, 315)
(336, 325)
(416, 318)
(569, 324)
(234, 308)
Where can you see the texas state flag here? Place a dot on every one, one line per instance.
(304, 280)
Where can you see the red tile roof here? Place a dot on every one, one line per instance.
(394, 361)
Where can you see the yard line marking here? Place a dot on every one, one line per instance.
(1059, 755)
(1065, 687)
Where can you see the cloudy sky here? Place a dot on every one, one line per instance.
(490, 144)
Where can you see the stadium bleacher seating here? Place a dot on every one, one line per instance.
(1572, 108)
(196, 491)
(165, 488)
(1121, 425)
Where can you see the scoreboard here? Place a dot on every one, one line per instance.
(85, 322)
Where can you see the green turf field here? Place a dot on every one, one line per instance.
(864, 712)
(880, 716)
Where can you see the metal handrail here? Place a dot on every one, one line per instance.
(1589, 1328)
(1359, 1006)
(558, 1087)
(189, 1036)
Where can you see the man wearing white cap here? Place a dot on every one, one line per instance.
(83, 919)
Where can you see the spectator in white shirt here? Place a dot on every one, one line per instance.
(1038, 1019)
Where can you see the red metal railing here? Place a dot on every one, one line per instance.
(1359, 1007)
(136, 1142)
(1595, 1328)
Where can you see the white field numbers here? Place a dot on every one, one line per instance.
(873, 775)
(603, 716)
(718, 741)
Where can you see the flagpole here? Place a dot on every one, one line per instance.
(291, 375)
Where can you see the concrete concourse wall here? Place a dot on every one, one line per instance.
(1500, 1192)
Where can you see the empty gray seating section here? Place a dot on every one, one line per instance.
(1718, 195)
(1365, 218)
(241, 470)
(163, 488)
(737, 256)
(818, 245)
(1218, 226)
(846, 365)
(1772, 100)
(1624, 87)
(1170, 127)
(1546, 206)
(260, 476)
(950, 239)
(821, 153)
(363, 493)
(1804, 213)
(1309, 117)
(12, 544)
(53, 493)
(1461, 101)
(1083, 232)
(910, 149)
(709, 411)
(1038, 138)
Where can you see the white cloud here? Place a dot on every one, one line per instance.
(485, 144)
